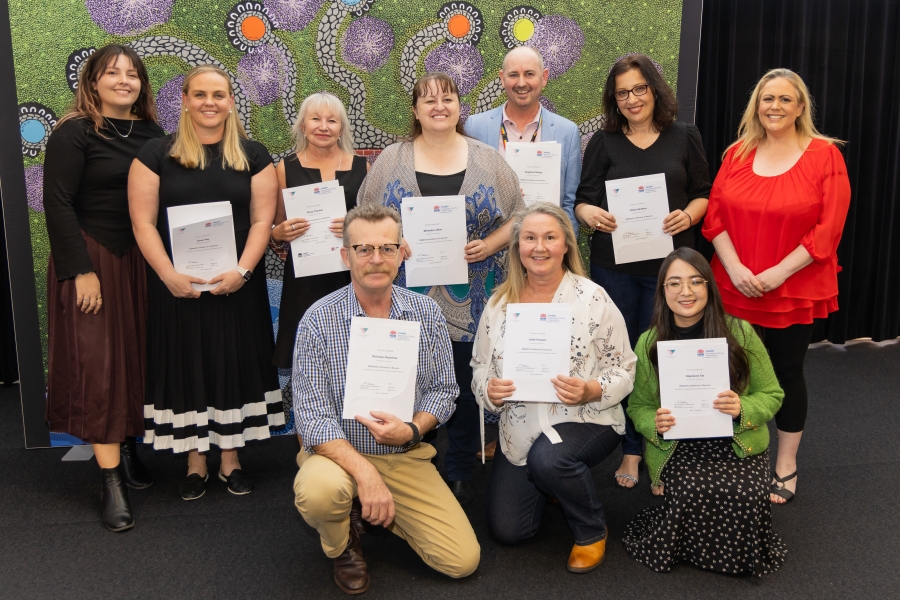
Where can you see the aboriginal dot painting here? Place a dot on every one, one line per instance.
(367, 52)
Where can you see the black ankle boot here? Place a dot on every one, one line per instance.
(114, 505)
(134, 472)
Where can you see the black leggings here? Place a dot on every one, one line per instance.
(787, 350)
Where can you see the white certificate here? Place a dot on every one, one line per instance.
(538, 343)
(538, 168)
(381, 368)
(640, 205)
(317, 251)
(435, 228)
(202, 237)
(691, 375)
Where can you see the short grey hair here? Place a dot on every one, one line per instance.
(530, 49)
(371, 213)
(333, 104)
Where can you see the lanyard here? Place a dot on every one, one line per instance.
(533, 137)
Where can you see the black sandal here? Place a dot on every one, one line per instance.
(778, 487)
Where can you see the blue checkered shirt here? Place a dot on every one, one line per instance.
(320, 367)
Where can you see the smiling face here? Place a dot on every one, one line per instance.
(375, 274)
(436, 110)
(321, 128)
(687, 305)
(637, 109)
(118, 86)
(208, 101)
(522, 78)
(779, 106)
(542, 246)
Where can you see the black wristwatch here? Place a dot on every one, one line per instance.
(416, 438)
(245, 273)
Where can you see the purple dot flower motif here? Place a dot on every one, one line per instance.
(584, 142)
(560, 41)
(462, 62)
(465, 109)
(366, 43)
(261, 73)
(168, 104)
(128, 17)
(34, 187)
(655, 64)
(548, 104)
(293, 15)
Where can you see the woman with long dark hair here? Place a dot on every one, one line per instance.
(96, 295)
(716, 513)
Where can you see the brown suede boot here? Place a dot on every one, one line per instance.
(583, 559)
(351, 573)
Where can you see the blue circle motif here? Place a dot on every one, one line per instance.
(33, 131)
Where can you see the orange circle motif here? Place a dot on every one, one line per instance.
(253, 28)
(458, 26)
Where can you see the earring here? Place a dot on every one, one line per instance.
(185, 110)
(230, 111)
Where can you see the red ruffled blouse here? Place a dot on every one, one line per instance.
(768, 217)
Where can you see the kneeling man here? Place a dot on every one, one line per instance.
(381, 461)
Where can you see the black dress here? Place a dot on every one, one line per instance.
(677, 152)
(95, 381)
(717, 514)
(299, 293)
(209, 374)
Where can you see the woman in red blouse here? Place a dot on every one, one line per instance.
(776, 213)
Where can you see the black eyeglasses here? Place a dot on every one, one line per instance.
(638, 90)
(367, 250)
(675, 285)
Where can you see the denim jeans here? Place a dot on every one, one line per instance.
(517, 496)
(633, 295)
(463, 429)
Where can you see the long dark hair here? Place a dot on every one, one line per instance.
(446, 85)
(665, 108)
(87, 103)
(716, 322)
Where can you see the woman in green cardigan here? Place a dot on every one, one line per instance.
(716, 513)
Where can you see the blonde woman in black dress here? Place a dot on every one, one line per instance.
(96, 295)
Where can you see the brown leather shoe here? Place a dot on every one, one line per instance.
(583, 559)
(489, 451)
(356, 520)
(351, 573)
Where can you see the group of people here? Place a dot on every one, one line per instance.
(140, 352)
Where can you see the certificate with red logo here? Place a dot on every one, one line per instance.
(381, 368)
(691, 375)
(317, 251)
(537, 342)
(202, 238)
(538, 167)
(435, 228)
(640, 205)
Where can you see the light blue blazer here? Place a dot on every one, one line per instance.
(485, 127)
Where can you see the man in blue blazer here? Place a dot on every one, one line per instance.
(523, 119)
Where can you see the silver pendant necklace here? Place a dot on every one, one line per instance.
(117, 131)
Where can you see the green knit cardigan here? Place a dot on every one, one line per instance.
(759, 402)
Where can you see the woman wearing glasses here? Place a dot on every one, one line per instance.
(640, 137)
(438, 159)
(716, 514)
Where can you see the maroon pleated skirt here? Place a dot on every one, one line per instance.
(97, 363)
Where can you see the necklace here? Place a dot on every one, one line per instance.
(340, 162)
(117, 131)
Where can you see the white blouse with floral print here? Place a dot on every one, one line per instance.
(600, 350)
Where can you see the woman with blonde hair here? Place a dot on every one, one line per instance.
(549, 447)
(96, 295)
(776, 214)
(325, 151)
(209, 375)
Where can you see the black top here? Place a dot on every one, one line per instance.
(86, 188)
(440, 185)
(677, 152)
(179, 185)
(694, 332)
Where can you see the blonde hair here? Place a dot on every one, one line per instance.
(751, 132)
(329, 102)
(510, 290)
(186, 146)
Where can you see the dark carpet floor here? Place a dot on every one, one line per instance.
(841, 530)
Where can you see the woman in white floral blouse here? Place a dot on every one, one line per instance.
(548, 448)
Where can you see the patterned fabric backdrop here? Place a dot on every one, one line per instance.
(367, 52)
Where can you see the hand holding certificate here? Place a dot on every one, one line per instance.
(538, 342)
(538, 168)
(640, 205)
(381, 368)
(202, 237)
(435, 228)
(692, 373)
(317, 251)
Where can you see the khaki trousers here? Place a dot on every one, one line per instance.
(427, 515)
